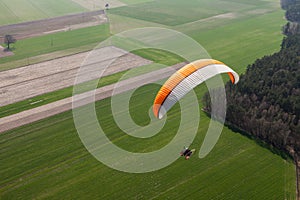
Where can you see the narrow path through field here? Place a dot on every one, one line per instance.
(29, 116)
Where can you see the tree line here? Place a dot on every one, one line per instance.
(292, 14)
(266, 101)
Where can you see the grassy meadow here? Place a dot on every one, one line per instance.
(46, 159)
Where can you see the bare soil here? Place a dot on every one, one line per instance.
(51, 25)
(33, 80)
(35, 114)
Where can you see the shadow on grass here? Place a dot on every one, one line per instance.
(11, 49)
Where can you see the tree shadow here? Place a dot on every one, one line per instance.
(9, 49)
(259, 141)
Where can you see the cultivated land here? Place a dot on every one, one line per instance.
(168, 14)
(33, 80)
(41, 112)
(100, 4)
(52, 25)
(15, 11)
(55, 45)
(46, 159)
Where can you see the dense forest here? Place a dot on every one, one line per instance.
(292, 14)
(266, 101)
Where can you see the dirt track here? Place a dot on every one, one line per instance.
(29, 116)
(51, 25)
(26, 82)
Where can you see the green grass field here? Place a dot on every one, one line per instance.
(50, 162)
(15, 11)
(241, 42)
(46, 159)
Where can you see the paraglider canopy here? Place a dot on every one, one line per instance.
(185, 79)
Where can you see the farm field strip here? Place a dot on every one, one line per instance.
(45, 57)
(223, 19)
(160, 59)
(129, 2)
(99, 4)
(52, 25)
(188, 12)
(55, 45)
(120, 23)
(63, 105)
(14, 11)
(244, 38)
(26, 82)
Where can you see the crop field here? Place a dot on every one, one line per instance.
(236, 32)
(47, 160)
(15, 11)
(240, 43)
(26, 49)
(99, 4)
(176, 12)
(158, 57)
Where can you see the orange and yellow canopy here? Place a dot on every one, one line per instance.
(185, 79)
